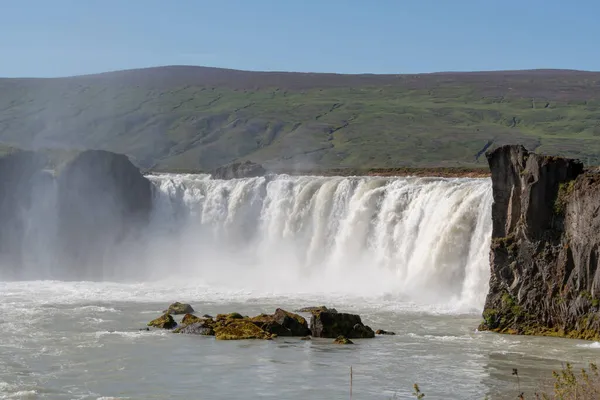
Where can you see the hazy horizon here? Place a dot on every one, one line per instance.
(491, 71)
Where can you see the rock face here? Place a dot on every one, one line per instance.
(103, 200)
(545, 246)
(237, 170)
(328, 324)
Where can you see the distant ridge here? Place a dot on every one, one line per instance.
(197, 118)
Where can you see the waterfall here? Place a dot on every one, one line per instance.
(422, 239)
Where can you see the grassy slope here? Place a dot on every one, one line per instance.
(198, 118)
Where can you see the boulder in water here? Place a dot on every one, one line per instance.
(268, 324)
(237, 170)
(382, 332)
(295, 323)
(342, 340)
(239, 329)
(230, 316)
(164, 322)
(282, 323)
(204, 328)
(179, 308)
(327, 324)
(190, 319)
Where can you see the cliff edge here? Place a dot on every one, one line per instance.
(545, 239)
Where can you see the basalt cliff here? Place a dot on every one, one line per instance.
(545, 242)
(64, 221)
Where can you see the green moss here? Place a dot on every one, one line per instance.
(240, 329)
(165, 322)
(342, 340)
(489, 317)
(564, 191)
(233, 315)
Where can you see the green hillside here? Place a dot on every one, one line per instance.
(198, 118)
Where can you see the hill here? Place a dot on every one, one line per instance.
(179, 117)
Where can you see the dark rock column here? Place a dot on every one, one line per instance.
(545, 240)
(104, 201)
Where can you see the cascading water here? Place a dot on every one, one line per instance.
(421, 239)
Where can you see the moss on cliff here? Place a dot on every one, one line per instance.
(564, 191)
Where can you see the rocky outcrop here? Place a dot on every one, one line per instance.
(545, 246)
(103, 203)
(179, 308)
(327, 324)
(237, 170)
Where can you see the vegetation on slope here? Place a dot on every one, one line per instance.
(199, 118)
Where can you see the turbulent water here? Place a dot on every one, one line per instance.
(408, 254)
(422, 239)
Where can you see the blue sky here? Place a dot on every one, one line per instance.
(69, 37)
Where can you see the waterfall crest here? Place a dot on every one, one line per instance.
(423, 239)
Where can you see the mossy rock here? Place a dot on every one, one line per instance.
(295, 323)
(240, 329)
(190, 319)
(268, 324)
(316, 309)
(342, 340)
(202, 328)
(179, 308)
(233, 315)
(165, 321)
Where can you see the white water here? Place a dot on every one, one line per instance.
(407, 254)
(420, 239)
